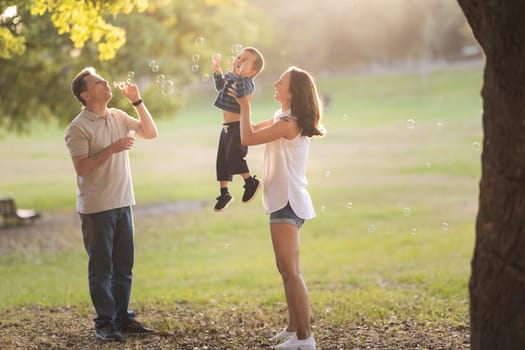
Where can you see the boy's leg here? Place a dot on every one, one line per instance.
(251, 187)
(237, 159)
(225, 198)
(223, 173)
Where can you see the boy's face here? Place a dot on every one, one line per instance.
(243, 64)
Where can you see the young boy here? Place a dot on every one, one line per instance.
(231, 153)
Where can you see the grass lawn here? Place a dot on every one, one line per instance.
(394, 183)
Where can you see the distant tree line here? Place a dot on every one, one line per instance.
(42, 44)
(338, 35)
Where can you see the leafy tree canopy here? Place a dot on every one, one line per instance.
(55, 39)
(82, 20)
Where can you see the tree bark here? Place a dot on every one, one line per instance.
(497, 282)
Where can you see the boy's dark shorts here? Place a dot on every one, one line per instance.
(231, 154)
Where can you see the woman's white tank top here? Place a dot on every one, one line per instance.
(285, 174)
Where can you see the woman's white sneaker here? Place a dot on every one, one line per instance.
(282, 335)
(297, 344)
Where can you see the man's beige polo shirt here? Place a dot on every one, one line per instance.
(109, 186)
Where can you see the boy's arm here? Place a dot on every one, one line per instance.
(216, 60)
(219, 81)
(218, 76)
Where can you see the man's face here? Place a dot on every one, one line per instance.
(97, 90)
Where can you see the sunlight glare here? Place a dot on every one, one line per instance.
(9, 12)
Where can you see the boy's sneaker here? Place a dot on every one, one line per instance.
(250, 189)
(134, 327)
(295, 344)
(223, 201)
(108, 333)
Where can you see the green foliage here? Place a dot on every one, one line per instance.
(12, 39)
(36, 85)
(9, 44)
(82, 20)
(48, 41)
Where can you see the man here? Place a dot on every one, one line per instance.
(98, 140)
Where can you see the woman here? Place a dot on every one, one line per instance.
(287, 138)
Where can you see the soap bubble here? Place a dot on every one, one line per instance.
(131, 75)
(199, 40)
(407, 211)
(195, 68)
(349, 205)
(205, 78)
(216, 57)
(371, 228)
(160, 78)
(236, 48)
(411, 123)
(327, 173)
(444, 226)
(476, 146)
(152, 63)
(167, 87)
(196, 58)
(155, 68)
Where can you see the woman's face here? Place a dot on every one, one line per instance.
(282, 90)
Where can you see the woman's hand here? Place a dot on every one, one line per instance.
(240, 100)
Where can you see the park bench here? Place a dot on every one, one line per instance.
(11, 214)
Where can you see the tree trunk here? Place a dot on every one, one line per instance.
(497, 283)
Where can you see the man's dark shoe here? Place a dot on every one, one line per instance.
(223, 201)
(134, 327)
(108, 333)
(250, 189)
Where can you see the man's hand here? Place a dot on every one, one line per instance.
(122, 144)
(84, 165)
(130, 91)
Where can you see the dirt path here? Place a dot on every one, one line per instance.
(57, 231)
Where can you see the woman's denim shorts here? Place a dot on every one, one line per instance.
(286, 215)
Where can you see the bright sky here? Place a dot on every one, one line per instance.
(9, 12)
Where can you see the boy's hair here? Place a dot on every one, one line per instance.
(305, 103)
(258, 64)
(78, 85)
